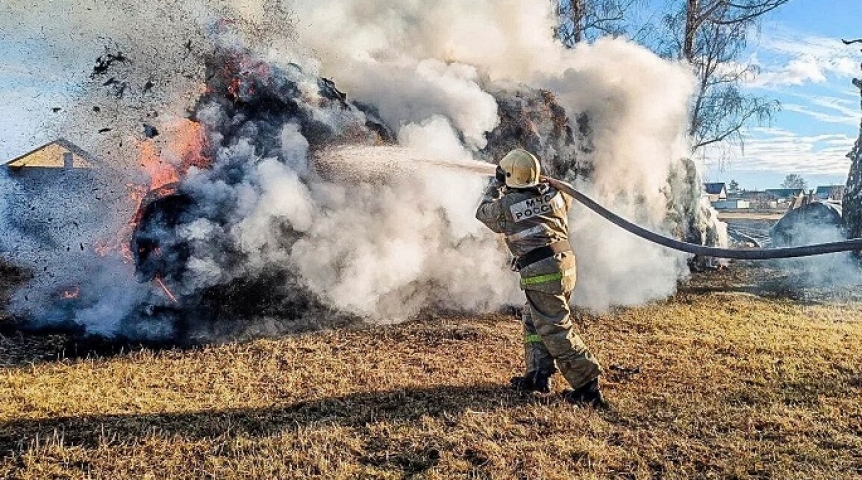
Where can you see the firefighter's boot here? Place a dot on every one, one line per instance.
(588, 395)
(535, 381)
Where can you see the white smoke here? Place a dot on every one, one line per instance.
(636, 102)
(55, 225)
(811, 224)
(380, 251)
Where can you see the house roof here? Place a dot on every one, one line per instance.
(827, 189)
(751, 194)
(713, 188)
(785, 192)
(85, 159)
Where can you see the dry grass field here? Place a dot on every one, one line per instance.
(734, 377)
(772, 216)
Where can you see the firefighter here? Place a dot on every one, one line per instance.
(533, 217)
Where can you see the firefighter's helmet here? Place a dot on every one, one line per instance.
(521, 168)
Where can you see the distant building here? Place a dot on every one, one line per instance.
(60, 154)
(52, 169)
(732, 204)
(757, 199)
(830, 192)
(52, 192)
(715, 191)
(784, 195)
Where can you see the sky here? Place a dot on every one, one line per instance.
(804, 65)
(802, 62)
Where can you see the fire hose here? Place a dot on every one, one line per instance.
(746, 254)
(344, 157)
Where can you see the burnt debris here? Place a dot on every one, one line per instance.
(104, 63)
(150, 131)
(265, 97)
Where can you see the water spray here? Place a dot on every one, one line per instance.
(487, 169)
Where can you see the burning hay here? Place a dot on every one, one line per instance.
(236, 193)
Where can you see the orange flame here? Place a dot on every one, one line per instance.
(183, 148)
(190, 142)
(184, 144)
(161, 172)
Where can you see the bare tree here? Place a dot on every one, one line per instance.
(733, 187)
(701, 13)
(794, 181)
(571, 21)
(712, 35)
(691, 9)
(581, 20)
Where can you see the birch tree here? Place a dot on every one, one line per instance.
(713, 37)
(584, 20)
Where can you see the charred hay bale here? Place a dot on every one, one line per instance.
(816, 222)
(256, 98)
(532, 119)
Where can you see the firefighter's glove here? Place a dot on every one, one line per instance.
(500, 175)
(494, 191)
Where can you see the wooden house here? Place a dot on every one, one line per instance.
(715, 191)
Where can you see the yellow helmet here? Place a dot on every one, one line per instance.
(521, 168)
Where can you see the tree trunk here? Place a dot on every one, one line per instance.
(691, 14)
(577, 20)
(852, 203)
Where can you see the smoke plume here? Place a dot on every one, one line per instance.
(270, 194)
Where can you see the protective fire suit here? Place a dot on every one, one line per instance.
(535, 224)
